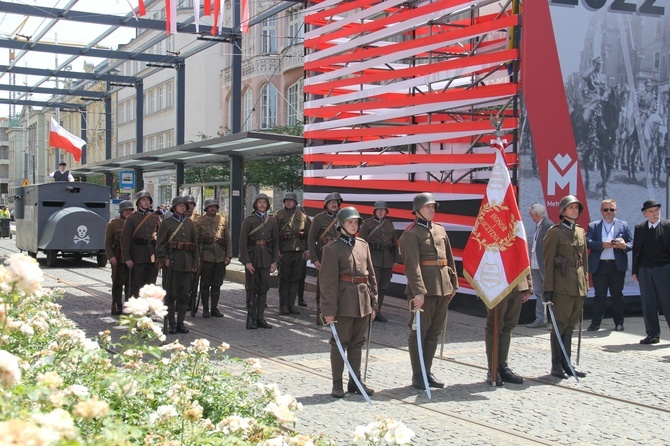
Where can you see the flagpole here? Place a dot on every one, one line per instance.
(494, 353)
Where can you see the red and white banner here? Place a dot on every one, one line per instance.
(244, 16)
(495, 258)
(62, 139)
(170, 17)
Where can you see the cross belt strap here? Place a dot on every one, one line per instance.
(354, 279)
(437, 262)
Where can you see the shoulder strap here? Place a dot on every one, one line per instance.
(375, 228)
(175, 231)
(325, 231)
(258, 228)
(137, 228)
(288, 223)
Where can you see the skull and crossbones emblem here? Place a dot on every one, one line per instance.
(81, 236)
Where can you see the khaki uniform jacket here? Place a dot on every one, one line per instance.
(347, 299)
(184, 261)
(383, 242)
(113, 239)
(261, 247)
(418, 244)
(571, 245)
(141, 253)
(315, 240)
(293, 227)
(213, 239)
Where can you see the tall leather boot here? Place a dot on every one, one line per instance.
(182, 308)
(319, 320)
(429, 350)
(260, 318)
(417, 377)
(204, 296)
(336, 367)
(567, 342)
(380, 301)
(215, 304)
(556, 358)
(354, 355)
(291, 297)
(504, 372)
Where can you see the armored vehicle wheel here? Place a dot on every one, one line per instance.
(32, 254)
(52, 255)
(78, 256)
(102, 260)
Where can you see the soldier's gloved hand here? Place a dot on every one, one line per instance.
(547, 296)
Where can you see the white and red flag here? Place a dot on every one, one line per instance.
(170, 17)
(244, 16)
(495, 259)
(62, 139)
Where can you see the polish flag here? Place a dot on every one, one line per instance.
(142, 9)
(495, 258)
(170, 17)
(217, 11)
(62, 139)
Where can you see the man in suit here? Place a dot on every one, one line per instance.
(609, 239)
(651, 268)
(538, 213)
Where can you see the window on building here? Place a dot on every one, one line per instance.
(152, 101)
(295, 26)
(269, 36)
(160, 141)
(248, 115)
(268, 106)
(230, 115)
(121, 110)
(295, 97)
(169, 139)
(168, 95)
(160, 98)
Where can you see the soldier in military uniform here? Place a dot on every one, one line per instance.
(293, 229)
(380, 234)
(259, 253)
(303, 276)
(348, 296)
(565, 279)
(431, 283)
(138, 242)
(216, 250)
(113, 252)
(190, 209)
(509, 310)
(178, 255)
(322, 231)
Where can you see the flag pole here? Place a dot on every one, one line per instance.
(494, 353)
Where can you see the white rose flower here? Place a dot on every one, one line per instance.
(58, 420)
(78, 390)
(152, 291)
(27, 329)
(403, 434)
(10, 372)
(24, 272)
(200, 345)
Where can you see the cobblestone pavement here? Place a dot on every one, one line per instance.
(625, 399)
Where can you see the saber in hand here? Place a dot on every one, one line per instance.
(417, 326)
(346, 362)
(560, 341)
(367, 352)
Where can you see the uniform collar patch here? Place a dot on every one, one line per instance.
(349, 240)
(424, 223)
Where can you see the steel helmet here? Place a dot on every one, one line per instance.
(177, 200)
(211, 202)
(568, 200)
(261, 196)
(345, 214)
(332, 196)
(290, 196)
(423, 199)
(381, 204)
(126, 204)
(141, 194)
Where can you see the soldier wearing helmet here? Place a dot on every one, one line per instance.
(431, 283)
(380, 234)
(138, 242)
(322, 232)
(216, 250)
(178, 255)
(565, 279)
(259, 253)
(190, 207)
(113, 252)
(293, 229)
(348, 296)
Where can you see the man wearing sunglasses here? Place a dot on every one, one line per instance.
(609, 239)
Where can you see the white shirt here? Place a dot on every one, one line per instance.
(70, 178)
(607, 234)
(653, 225)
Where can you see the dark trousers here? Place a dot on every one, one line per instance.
(608, 277)
(119, 283)
(178, 287)
(257, 286)
(508, 312)
(655, 295)
(351, 331)
(383, 276)
(568, 313)
(291, 267)
(144, 274)
(433, 316)
(211, 279)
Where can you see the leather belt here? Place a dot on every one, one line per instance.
(186, 246)
(607, 260)
(354, 279)
(436, 262)
(261, 242)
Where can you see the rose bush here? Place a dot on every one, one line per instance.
(58, 387)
